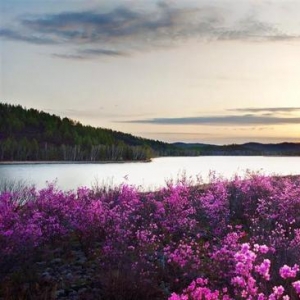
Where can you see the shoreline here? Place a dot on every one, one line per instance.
(70, 162)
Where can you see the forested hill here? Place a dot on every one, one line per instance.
(32, 135)
(29, 134)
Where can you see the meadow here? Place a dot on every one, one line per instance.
(228, 239)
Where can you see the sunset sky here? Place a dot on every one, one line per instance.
(206, 71)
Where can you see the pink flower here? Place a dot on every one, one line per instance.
(174, 296)
(288, 272)
(296, 286)
(263, 269)
(278, 290)
(263, 249)
(238, 281)
(261, 296)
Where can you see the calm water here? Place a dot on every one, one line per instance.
(147, 175)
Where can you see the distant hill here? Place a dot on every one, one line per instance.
(32, 135)
(29, 134)
(282, 149)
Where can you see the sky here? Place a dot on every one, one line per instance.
(206, 71)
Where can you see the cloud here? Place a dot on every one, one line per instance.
(264, 116)
(232, 120)
(124, 24)
(33, 38)
(69, 56)
(89, 53)
(266, 109)
(103, 52)
(95, 113)
(176, 133)
(125, 30)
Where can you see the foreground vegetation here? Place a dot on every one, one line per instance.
(237, 239)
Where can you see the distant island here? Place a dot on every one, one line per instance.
(32, 135)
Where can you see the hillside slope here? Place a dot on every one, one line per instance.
(29, 134)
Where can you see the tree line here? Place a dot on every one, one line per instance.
(29, 134)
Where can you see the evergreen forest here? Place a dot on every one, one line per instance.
(32, 135)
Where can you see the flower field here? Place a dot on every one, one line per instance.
(237, 239)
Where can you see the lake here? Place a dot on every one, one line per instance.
(146, 175)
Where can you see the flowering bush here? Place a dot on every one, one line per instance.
(236, 239)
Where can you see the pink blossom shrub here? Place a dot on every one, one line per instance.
(236, 239)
